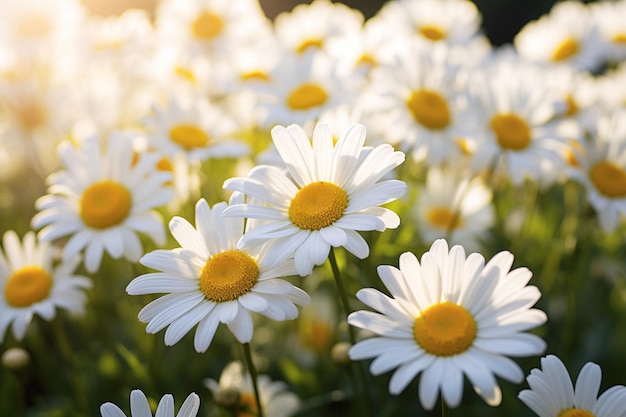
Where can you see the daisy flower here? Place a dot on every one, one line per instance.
(456, 207)
(609, 19)
(34, 283)
(551, 393)
(102, 199)
(208, 281)
(450, 316)
(566, 35)
(235, 390)
(139, 406)
(326, 194)
(602, 165)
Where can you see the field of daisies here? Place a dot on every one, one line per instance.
(208, 213)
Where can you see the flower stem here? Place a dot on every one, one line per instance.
(254, 377)
(342, 291)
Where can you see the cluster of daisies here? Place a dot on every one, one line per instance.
(325, 119)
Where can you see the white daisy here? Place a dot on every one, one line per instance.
(235, 384)
(327, 194)
(210, 281)
(34, 283)
(450, 316)
(602, 165)
(566, 35)
(139, 406)
(609, 19)
(551, 393)
(102, 199)
(456, 207)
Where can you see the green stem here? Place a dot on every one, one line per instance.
(254, 377)
(342, 291)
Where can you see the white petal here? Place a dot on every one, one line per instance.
(242, 326)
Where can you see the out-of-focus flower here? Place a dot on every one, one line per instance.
(329, 192)
(551, 393)
(139, 406)
(103, 198)
(455, 207)
(450, 316)
(208, 281)
(236, 385)
(33, 283)
(608, 17)
(566, 35)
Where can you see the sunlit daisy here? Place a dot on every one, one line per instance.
(34, 283)
(102, 198)
(602, 165)
(208, 281)
(450, 316)
(139, 406)
(194, 128)
(235, 391)
(566, 35)
(552, 394)
(327, 194)
(454, 206)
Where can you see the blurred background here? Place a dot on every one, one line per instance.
(501, 19)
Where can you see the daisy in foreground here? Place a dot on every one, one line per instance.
(327, 194)
(450, 316)
(209, 280)
(551, 393)
(102, 199)
(32, 283)
(139, 406)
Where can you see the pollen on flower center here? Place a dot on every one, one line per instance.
(207, 26)
(575, 412)
(511, 131)
(105, 204)
(228, 275)
(27, 286)
(307, 96)
(309, 43)
(429, 108)
(566, 49)
(445, 329)
(443, 218)
(188, 136)
(609, 179)
(432, 32)
(318, 205)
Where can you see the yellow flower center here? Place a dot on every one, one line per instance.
(228, 275)
(309, 43)
(189, 136)
(318, 205)
(257, 75)
(575, 412)
(432, 32)
(27, 286)
(511, 131)
(429, 108)
(619, 38)
(185, 73)
(572, 106)
(445, 329)
(207, 26)
(105, 204)
(443, 218)
(31, 115)
(307, 96)
(247, 406)
(566, 49)
(318, 335)
(609, 179)
(367, 60)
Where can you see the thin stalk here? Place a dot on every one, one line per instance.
(254, 377)
(342, 291)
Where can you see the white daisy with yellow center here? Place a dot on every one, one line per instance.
(328, 193)
(103, 198)
(608, 17)
(447, 317)
(454, 206)
(34, 283)
(602, 165)
(139, 406)
(567, 35)
(276, 400)
(209, 280)
(552, 394)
